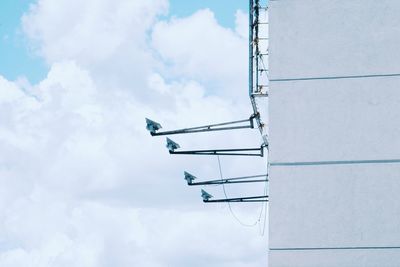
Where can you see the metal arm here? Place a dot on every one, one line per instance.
(239, 199)
(172, 146)
(258, 152)
(245, 179)
(205, 128)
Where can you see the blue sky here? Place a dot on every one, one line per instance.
(78, 163)
(223, 9)
(16, 59)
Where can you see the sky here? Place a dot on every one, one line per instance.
(18, 59)
(81, 181)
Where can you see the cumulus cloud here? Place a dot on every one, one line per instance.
(89, 31)
(109, 38)
(81, 181)
(199, 48)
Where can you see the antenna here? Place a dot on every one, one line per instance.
(171, 145)
(206, 196)
(152, 126)
(258, 89)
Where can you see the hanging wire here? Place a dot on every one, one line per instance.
(263, 66)
(262, 225)
(260, 59)
(229, 204)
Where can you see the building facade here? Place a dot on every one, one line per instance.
(334, 132)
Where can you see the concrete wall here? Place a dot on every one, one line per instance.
(334, 96)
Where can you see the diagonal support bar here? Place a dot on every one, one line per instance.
(231, 125)
(255, 152)
(238, 199)
(236, 180)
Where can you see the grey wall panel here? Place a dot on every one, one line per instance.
(310, 38)
(335, 206)
(335, 119)
(336, 258)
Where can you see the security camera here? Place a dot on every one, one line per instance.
(152, 126)
(171, 145)
(189, 178)
(206, 196)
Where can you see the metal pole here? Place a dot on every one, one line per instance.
(251, 71)
(251, 3)
(256, 40)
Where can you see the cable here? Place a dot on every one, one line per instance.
(264, 209)
(263, 66)
(229, 204)
(262, 225)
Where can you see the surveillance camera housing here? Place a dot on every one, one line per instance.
(189, 178)
(171, 145)
(152, 126)
(206, 196)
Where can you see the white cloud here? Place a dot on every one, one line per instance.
(81, 181)
(106, 37)
(242, 24)
(199, 48)
(89, 31)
